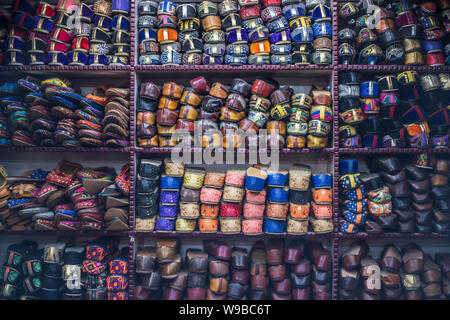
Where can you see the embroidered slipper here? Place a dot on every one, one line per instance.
(114, 128)
(113, 105)
(85, 133)
(3, 176)
(68, 225)
(62, 135)
(73, 186)
(123, 179)
(42, 134)
(117, 143)
(111, 136)
(123, 102)
(89, 103)
(15, 107)
(84, 124)
(70, 144)
(48, 143)
(98, 94)
(42, 123)
(113, 202)
(60, 112)
(24, 190)
(91, 226)
(44, 225)
(115, 117)
(17, 203)
(27, 86)
(38, 111)
(34, 99)
(93, 112)
(90, 142)
(60, 101)
(97, 211)
(71, 96)
(64, 173)
(117, 92)
(80, 114)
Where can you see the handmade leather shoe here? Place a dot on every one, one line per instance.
(432, 291)
(258, 295)
(412, 258)
(302, 268)
(440, 192)
(240, 276)
(348, 279)
(217, 249)
(321, 277)
(440, 217)
(392, 293)
(443, 261)
(419, 197)
(218, 268)
(301, 294)
(390, 279)
(320, 288)
(404, 215)
(439, 180)
(196, 293)
(394, 178)
(372, 227)
(389, 164)
(431, 271)
(294, 251)
(423, 217)
(424, 228)
(406, 226)
(419, 186)
(441, 227)
(442, 166)
(282, 287)
(277, 273)
(400, 189)
(363, 295)
(347, 294)
(274, 252)
(417, 174)
(197, 280)
(319, 255)
(413, 295)
(300, 281)
(402, 203)
(352, 257)
(259, 282)
(387, 223)
(391, 258)
(443, 205)
(180, 281)
(240, 258)
(423, 206)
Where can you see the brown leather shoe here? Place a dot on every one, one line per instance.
(413, 258)
(391, 258)
(352, 256)
(431, 271)
(319, 256)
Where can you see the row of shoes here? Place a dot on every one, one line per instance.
(298, 270)
(70, 33)
(69, 197)
(406, 274)
(397, 34)
(52, 112)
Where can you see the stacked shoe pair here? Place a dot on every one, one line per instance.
(21, 271)
(149, 47)
(354, 205)
(117, 280)
(237, 28)
(189, 34)
(71, 273)
(379, 204)
(116, 118)
(167, 33)
(69, 198)
(148, 181)
(412, 200)
(95, 266)
(21, 23)
(5, 194)
(409, 274)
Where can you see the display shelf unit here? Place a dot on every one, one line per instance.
(134, 73)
